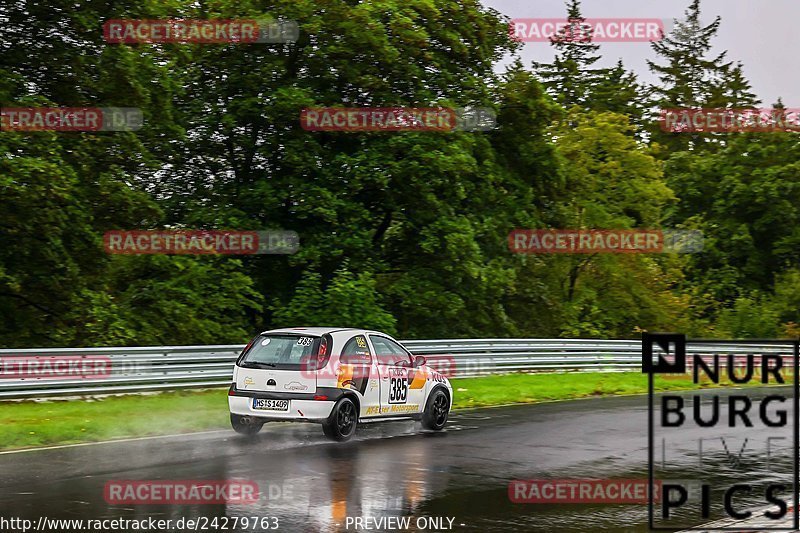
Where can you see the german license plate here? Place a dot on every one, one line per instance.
(270, 405)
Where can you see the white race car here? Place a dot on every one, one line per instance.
(336, 377)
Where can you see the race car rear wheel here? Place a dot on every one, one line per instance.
(436, 410)
(245, 425)
(341, 424)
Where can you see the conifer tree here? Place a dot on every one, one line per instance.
(620, 92)
(691, 76)
(688, 73)
(571, 77)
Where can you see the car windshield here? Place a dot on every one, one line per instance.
(279, 351)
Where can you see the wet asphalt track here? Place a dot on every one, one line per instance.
(389, 469)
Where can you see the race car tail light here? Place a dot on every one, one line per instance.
(312, 362)
(322, 353)
(249, 344)
(231, 390)
(320, 397)
(246, 348)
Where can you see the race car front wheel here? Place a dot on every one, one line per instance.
(436, 410)
(245, 424)
(341, 424)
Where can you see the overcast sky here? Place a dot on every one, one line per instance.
(763, 34)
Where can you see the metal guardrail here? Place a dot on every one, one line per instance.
(185, 367)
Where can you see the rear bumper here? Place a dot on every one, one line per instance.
(302, 407)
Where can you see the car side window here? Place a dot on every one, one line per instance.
(356, 352)
(389, 352)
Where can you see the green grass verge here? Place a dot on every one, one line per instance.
(532, 388)
(26, 424)
(29, 424)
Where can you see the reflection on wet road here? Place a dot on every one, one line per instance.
(391, 469)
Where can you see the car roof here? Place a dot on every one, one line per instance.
(316, 332)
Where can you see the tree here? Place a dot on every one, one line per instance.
(349, 300)
(733, 90)
(60, 191)
(689, 76)
(612, 181)
(571, 79)
(745, 200)
(423, 212)
(688, 72)
(618, 91)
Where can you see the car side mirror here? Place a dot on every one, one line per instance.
(419, 361)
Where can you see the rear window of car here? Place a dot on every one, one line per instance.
(279, 351)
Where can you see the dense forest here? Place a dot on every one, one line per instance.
(400, 231)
